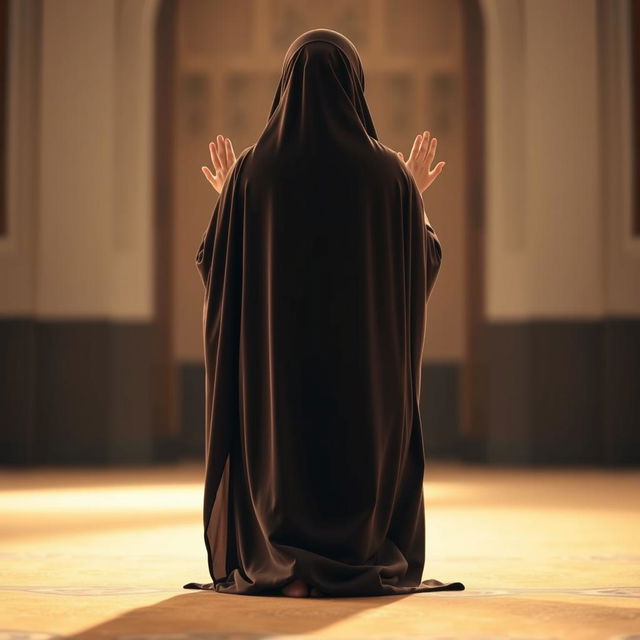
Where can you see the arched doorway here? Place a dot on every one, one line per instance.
(217, 68)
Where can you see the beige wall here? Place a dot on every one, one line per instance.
(564, 242)
(77, 143)
(18, 248)
(81, 157)
(80, 168)
(622, 272)
(558, 158)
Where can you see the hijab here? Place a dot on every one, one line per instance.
(320, 95)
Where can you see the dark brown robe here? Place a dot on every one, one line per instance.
(317, 265)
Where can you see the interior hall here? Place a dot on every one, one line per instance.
(530, 393)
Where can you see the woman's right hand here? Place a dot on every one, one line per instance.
(223, 159)
(420, 159)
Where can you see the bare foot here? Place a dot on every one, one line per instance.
(296, 589)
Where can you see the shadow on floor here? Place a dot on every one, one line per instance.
(205, 615)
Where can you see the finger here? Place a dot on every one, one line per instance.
(229, 151)
(415, 147)
(422, 152)
(208, 175)
(432, 150)
(438, 169)
(222, 154)
(400, 155)
(215, 158)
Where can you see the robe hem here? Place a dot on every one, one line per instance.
(426, 586)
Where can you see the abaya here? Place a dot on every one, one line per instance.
(317, 266)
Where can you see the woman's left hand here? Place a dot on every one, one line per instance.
(420, 159)
(223, 159)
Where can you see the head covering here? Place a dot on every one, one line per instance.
(320, 95)
(316, 266)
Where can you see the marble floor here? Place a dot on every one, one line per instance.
(544, 553)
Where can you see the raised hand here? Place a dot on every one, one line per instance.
(223, 158)
(420, 159)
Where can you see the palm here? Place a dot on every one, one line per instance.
(223, 158)
(420, 159)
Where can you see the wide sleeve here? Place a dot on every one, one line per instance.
(216, 232)
(205, 250)
(433, 249)
(434, 257)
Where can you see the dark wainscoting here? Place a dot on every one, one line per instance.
(439, 409)
(192, 409)
(76, 392)
(557, 392)
(621, 391)
(563, 392)
(17, 391)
